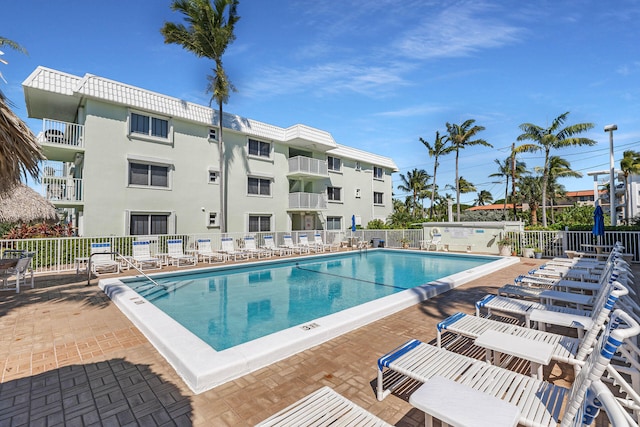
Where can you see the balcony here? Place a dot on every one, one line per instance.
(61, 140)
(307, 202)
(62, 191)
(306, 167)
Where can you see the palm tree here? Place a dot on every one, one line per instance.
(630, 164)
(20, 154)
(553, 137)
(415, 183)
(505, 171)
(460, 137)
(484, 197)
(208, 33)
(558, 168)
(531, 193)
(439, 148)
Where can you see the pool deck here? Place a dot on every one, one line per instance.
(70, 357)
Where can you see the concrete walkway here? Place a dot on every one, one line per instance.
(70, 357)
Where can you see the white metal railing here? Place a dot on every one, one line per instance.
(56, 188)
(555, 243)
(59, 255)
(311, 201)
(62, 133)
(308, 165)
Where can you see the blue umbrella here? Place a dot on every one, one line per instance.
(353, 223)
(598, 222)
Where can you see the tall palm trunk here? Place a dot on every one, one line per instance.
(433, 188)
(545, 182)
(222, 177)
(457, 189)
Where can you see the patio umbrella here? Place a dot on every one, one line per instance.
(23, 204)
(598, 222)
(19, 151)
(353, 223)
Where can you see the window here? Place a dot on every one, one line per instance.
(377, 198)
(259, 148)
(149, 126)
(148, 175)
(334, 164)
(334, 223)
(213, 176)
(259, 186)
(145, 224)
(212, 220)
(213, 134)
(358, 166)
(333, 193)
(259, 223)
(378, 173)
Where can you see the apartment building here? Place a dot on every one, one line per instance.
(126, 161)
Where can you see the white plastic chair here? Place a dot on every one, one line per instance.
(540, 402)
(142, 256)
(205, 252)
(251, 248)
(229, 248)
(288, 243)
(270, 245)
(177, 256)
(20, 271)
(102, 261)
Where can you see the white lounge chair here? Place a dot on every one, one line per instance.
(251, 248)
(229, 248)
(142, 256)
(303, 244)
(19, 272)
(270, 245)
(288, 243)
(323, 407)
(206, 253)
(176, 254)
(565, 349)
(540, 402)
(102, 260)
(324, 246)
(435, 242)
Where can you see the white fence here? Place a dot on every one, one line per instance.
(58, 255)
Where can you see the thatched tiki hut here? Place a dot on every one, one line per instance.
(20, 154)
(24, 205)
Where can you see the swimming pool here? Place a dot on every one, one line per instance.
(229, 307)
(242, 289)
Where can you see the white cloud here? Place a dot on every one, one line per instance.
(459, 30)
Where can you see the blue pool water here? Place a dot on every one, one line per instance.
(230, 306)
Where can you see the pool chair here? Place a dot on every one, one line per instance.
(206, 253)
(565, 349)
(321, 245)
(552, 314)
(101, 260)
(228, 248)
(540, 403)
(303, 244)
(176, 254)
(277, 250)
(323, 407)
(288, 243)
(251, 248)
(142, 258)
(434, 243)
(20, 271)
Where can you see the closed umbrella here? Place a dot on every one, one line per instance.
(598, 223)
(353, 223)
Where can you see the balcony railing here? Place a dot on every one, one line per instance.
(62, 189)
(55, 132)
(301, 165)
(307, 201)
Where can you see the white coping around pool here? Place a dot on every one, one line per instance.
(202, 367)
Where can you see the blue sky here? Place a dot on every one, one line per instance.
(376, 74)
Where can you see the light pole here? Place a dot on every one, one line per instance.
(612, 172)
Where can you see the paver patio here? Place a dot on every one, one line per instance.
(70, 357)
